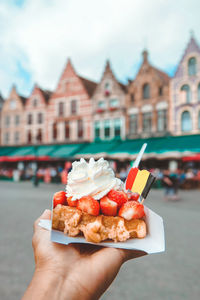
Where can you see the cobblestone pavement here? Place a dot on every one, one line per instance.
(171, 275)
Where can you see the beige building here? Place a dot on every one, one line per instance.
(185, 92)
(35, 119)
(109, 109)
(70, 108)
(148, 102)
(12, 120)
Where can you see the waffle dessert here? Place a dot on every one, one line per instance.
(96, 205)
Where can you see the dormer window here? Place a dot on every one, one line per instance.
(107, 88)
(146, 91)
(192, 66)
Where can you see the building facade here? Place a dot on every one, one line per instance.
(109, 108)
(185, 92)
(148, 102)
(12, 120)
(69, 114)
(35, 116)
(1, 105)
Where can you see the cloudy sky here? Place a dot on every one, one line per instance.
(37, 36)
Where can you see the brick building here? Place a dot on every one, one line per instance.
(70, 108)
(185, 92)
(35, 119)
(1, 105)
(109, 109)
(148, 102)
(12, 132)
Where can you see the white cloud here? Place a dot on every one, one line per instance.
(42, 34)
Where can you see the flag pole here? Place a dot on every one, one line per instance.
(139, 156)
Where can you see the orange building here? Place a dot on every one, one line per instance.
(12, 120)
(35, 116)
(69, 113)
(148, 102)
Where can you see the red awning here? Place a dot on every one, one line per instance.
(23, 158)
(195, 157)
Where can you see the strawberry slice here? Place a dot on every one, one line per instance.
(72, 203)
(89, 205)
(119, 197)
(59, 198)
(131, 210)
(133, 196)
(108, 207)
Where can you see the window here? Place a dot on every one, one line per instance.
(39, 136)
(101, 105)
(117, 127)
(97, 129)
(107, 86)
(7, 121)
(114, 103)
(162, 120)
(160, 91)
(6, 138)
(198, 92)
(192, 66)
(17, 119)
(132, 98)
(107, 128)
(35, 102)
(61, 109)
(186, 122)
(67, 130)
(80, 128)
(133, 124)
(199, 120)
(29, 137)
(13, 104)
(185, 89)
(16, 137)
(146, 91)
(74, 107)
(55, 131)
(147, 122)
(40, 118)
(30, 119)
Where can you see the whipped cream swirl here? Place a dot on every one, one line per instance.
(94, 179)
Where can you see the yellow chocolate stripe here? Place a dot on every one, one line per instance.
(140, 181)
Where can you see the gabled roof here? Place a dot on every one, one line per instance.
(46, 94)
(89, 85)
(192, 46)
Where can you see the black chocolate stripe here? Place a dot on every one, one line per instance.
(148, 185)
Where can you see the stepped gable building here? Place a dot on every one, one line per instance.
(148, 102)
(70, 108)
(12, 132)
(185, 92)
(109, 109)
(1, 105)
(35, 119)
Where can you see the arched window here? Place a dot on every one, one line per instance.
(198, 92)
(199, 120)
(185, 89)
(186, 121)
(192, 66)
(146, 91)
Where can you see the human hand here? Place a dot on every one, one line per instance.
(77, 270)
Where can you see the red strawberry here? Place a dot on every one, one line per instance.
(119, 197)
(89, 205)
(133, 196)
(132, 210)
(108, 207)
(59, 198)
(72, 203)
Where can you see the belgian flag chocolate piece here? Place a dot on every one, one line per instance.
(139, 181)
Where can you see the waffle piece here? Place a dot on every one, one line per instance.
(96, 229)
